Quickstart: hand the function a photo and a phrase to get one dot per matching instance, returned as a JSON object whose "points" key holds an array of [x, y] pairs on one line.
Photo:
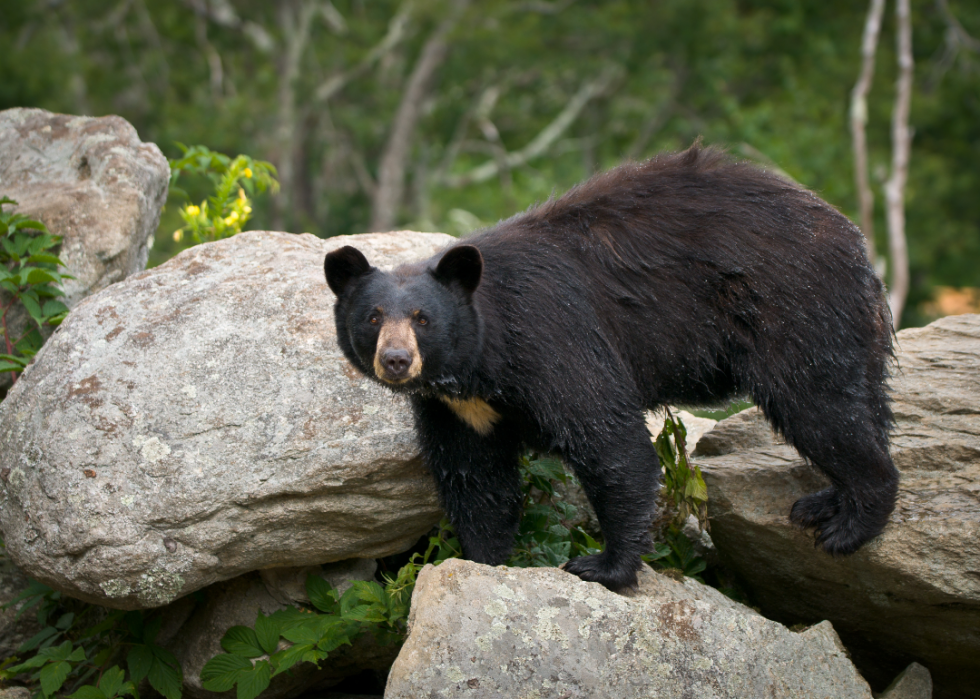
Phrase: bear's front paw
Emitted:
{"points": [[616, 574]]}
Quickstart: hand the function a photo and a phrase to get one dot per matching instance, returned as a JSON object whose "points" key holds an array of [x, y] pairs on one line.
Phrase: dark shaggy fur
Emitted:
{"points": [[687, 279]]}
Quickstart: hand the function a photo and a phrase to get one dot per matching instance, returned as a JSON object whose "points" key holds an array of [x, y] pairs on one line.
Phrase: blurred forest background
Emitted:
{"points": [[450, 114]]}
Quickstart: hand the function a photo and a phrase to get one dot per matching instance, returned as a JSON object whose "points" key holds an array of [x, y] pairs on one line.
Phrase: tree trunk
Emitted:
{"points": [[859, 120], [901, 147], [391, 172], [294, 20]]}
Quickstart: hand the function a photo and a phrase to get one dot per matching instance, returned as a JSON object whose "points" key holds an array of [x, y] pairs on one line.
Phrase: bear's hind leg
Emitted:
{"points": [[848, 441], [620, 474]]}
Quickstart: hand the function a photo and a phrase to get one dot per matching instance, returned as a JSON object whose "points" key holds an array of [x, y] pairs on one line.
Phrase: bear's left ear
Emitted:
{"points": [[344, 265], [462, 264]]}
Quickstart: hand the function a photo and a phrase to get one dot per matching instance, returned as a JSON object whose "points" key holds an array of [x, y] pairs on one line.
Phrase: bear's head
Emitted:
{"points": [[414, 328]]}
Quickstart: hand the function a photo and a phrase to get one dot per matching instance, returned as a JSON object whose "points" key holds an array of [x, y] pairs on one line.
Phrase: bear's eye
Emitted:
{"points": [[423, 320], [374, 319]]}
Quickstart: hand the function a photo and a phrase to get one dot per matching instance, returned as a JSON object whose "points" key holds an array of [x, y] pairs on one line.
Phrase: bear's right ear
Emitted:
{"points": [[343, 266]]}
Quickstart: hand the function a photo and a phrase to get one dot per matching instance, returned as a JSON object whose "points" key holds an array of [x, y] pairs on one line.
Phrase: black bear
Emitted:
{"points": [[688, 278]]}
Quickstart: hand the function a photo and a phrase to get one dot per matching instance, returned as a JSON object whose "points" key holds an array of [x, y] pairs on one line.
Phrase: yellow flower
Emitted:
{"points": [[192, 210], [178, 234], [241, 194], [248, 172], [248, 209]]}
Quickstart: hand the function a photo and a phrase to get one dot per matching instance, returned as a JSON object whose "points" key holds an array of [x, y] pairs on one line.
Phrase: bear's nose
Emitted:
{"points": [[397, 362]]}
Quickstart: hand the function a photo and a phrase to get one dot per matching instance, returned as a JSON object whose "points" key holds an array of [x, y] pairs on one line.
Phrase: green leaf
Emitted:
{"points": [[140, 660], [87, 691], [61, 652], [220, 673], [31, 224], [11, 366], [165, 677], [267, 631], [45, 258], [251, 683], [285, 659], [321, 594], [32, 307], [64, 621], [52, 308], [242, 641], [53, 676], [111, 681]]}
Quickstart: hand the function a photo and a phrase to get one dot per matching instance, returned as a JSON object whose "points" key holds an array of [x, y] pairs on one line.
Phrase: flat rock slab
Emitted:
{"points": [[912, 594], [199, 421], [477, 631]]}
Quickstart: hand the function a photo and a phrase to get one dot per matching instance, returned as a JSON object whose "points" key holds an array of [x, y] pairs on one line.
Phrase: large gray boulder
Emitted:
{"points": [[477, 631], [91, 181], [913, 594], [198, 421]]}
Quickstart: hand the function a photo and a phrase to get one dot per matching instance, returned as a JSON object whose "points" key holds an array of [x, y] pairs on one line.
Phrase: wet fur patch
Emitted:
{"points": [[475, 412], [397, 334]]}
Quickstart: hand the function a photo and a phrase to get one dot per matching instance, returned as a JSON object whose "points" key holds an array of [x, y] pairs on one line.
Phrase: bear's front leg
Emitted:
{"points": [[477, 476], [619, 472]]}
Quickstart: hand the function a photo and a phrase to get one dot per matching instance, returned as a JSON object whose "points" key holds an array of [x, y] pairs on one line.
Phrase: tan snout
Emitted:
{"points": [[397, 359]]}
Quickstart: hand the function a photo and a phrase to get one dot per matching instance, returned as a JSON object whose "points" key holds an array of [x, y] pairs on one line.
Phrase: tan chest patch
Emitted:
{"points": [[475, 412]]}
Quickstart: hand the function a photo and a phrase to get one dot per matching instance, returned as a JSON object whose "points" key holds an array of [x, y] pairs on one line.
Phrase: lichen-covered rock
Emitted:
{"points": [[198, 421], [477, 631], [914, 592], [91, 181]]}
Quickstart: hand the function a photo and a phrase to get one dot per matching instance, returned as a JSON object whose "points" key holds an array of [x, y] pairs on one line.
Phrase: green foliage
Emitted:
{"points": [[684, 492], [228, 209], [677, 553], [80, 647], [29, 275], [279, 641], [544, 538]]}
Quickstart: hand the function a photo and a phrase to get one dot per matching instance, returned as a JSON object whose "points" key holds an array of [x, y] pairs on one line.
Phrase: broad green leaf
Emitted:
{"points": [[64, 621], [87, 691], [369, 591], [31, 224], [267, 631], [242, 641], [285, 659], [53, 676], [220, 673], [139, 661], [60, 652], [32, 307], [10, 366], [251, 683], [321, 594], [53, 308], [164, 677], [45, 258], [111, 681]]}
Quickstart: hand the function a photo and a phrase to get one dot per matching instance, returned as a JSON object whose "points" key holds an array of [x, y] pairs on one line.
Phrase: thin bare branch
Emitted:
{"points": [[901, 150], [295, 19], [859, 120], [397, 29], [544, 140], [391, 171], [955, 30], [223, 14]]}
